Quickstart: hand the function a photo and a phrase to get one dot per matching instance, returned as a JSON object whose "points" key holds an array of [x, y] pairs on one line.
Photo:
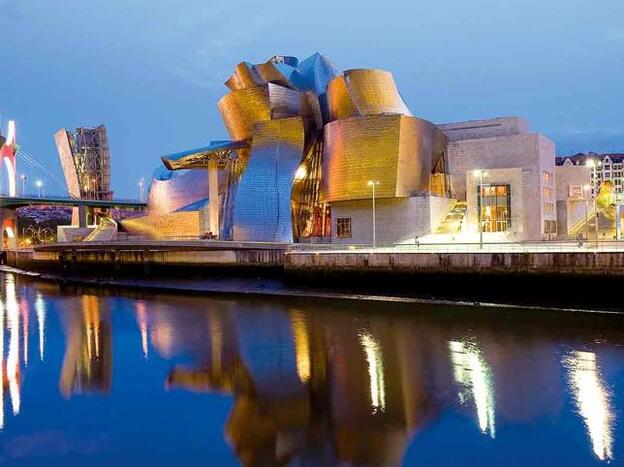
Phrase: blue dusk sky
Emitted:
{"points": [[153, 71]]}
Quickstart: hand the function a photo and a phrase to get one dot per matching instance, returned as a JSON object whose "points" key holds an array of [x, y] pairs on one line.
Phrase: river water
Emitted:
{"points": [[91, 377]]}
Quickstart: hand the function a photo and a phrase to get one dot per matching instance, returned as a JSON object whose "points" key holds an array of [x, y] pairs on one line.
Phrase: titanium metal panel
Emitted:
{"points": [[244, 76], [314, 74], [270, 73], [339, 100], [242, 107], [284, 102], [63, 146], [396, 150], [263, 208], [374, 92], [170, 191], [200, 157]]}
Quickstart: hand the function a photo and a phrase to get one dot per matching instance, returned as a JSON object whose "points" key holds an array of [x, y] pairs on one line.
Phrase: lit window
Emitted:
{"points": [[550, 227], [495, 208], [575, 191], [343, 227], [547, 178]]}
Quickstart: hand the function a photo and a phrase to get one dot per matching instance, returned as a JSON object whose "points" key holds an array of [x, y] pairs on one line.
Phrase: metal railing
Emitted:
{"points": [[546, 246]]}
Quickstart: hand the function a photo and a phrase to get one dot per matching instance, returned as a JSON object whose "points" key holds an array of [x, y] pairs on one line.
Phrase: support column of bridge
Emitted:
{"points": [[8, 218]]}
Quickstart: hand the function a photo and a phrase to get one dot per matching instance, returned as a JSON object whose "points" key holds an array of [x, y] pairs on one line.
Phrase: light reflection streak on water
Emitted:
{"points": [[141, 317], [1, 364], [474, 375], [41, 318], [374, 358], [13, 325], [25, 328], [593, 401], [302, 345]]}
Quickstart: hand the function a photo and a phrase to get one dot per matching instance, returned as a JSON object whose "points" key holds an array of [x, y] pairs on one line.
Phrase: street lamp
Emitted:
{"points": [[24, 184], [373, 184], [39, 185], [141, 185], [480, 174], [593, 165]]}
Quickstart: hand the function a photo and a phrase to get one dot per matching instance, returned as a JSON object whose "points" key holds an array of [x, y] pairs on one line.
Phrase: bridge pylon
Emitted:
{"points": [[7, 158]]}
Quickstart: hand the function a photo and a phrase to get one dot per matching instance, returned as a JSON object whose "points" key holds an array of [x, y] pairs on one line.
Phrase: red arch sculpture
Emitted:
{"points": [[7, 157]]}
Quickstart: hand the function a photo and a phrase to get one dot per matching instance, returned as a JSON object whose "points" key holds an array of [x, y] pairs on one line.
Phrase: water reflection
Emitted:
{"points": [[374, 359], [474, 376], [312, 384], [141, 318], [87, 364], [10, 369], [41, 319], [593, 401]]}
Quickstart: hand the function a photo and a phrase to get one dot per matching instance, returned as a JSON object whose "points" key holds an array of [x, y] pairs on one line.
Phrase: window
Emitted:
{"points": [[549, 208], [547, 178], [607, 175], [343, 227], [547, 192], [550, 227], [575, 191], [494, 206]]}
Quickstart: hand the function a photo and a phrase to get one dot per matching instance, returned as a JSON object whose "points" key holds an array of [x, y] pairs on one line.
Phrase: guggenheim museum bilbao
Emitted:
{"points": [[310, 148]]}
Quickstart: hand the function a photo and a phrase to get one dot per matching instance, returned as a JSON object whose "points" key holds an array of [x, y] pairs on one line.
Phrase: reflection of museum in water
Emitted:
{"points": [[324, 385], [309, 145]]}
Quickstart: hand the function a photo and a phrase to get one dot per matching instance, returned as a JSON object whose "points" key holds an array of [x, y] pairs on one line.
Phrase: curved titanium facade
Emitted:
{"points": [[303, 135], [262, 210], [396, 150], [364, 92], [169, 193]]}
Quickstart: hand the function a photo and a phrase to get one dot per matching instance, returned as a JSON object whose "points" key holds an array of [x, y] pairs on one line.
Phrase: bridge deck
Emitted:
{"points": [[21, 201]]}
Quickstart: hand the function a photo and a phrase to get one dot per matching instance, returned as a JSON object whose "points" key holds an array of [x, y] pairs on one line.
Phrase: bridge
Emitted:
{"points": [[13, 202], [85, 160]]}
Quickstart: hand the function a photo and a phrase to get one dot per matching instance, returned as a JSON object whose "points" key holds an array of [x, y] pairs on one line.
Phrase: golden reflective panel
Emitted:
{"points": [[593, 401]]}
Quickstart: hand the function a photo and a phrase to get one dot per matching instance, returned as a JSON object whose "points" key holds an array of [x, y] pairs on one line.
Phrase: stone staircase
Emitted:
{"points": [[452, 223], [106, 231]]}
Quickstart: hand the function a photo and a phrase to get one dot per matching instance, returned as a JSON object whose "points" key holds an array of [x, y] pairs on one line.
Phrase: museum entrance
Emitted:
{"points": [[494, 205]]}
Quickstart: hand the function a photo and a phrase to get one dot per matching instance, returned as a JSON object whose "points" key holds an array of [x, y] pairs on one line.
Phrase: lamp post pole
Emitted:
{"points": [[24, 185], [39, 184], [587, 189], [596, 202], [373, 183]]}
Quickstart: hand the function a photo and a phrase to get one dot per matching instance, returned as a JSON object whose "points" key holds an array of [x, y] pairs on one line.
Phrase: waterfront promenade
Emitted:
{"points": [[541, 275], [572, 258]]}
